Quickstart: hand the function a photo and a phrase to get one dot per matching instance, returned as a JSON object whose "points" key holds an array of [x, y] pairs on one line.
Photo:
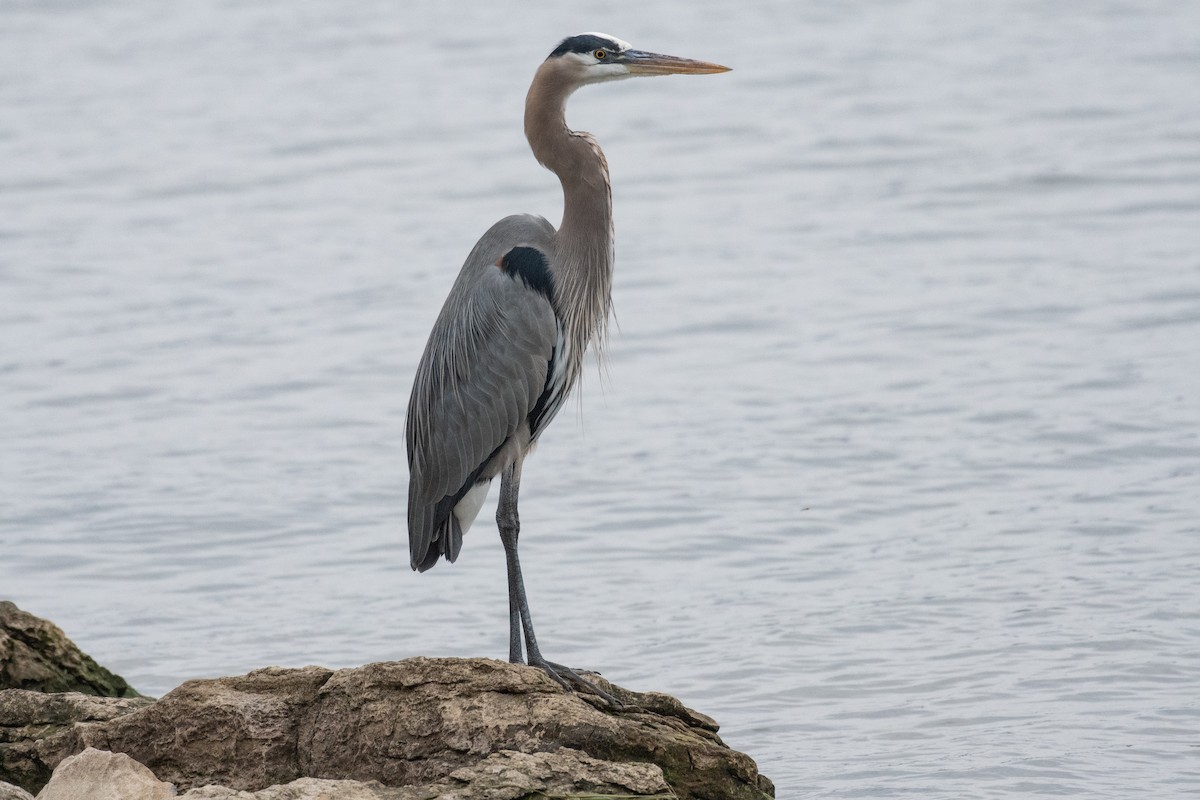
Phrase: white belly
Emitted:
{"points": [[468, 508]]}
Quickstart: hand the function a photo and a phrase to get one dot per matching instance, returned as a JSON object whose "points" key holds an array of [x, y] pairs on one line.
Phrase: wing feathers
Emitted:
{"points": [[483, 370]]}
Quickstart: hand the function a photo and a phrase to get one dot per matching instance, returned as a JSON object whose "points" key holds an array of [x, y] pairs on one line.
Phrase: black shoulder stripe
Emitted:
{"points": [[530, 266]]}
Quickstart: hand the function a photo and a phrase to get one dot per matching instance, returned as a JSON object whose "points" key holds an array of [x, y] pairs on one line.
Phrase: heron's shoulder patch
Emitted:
{"points": [[529, 265]]}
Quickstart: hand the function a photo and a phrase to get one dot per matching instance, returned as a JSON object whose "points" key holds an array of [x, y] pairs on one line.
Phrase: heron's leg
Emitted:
{"points": [[509, 523], [519, 619], [514, 630]]}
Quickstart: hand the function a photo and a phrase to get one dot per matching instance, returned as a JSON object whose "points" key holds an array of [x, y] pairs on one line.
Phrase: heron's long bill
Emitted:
{"points": [[642, 63]]}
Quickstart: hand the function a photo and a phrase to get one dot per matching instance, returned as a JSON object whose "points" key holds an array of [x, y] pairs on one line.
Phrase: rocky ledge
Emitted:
{"points": [[418, 729], [36, 654]]}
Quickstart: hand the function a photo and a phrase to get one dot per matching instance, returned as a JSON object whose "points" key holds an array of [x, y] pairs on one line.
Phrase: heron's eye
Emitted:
{"points": [[600, 55]]}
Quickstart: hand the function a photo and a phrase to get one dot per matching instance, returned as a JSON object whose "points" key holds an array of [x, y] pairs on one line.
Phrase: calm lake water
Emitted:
{"points": [[894, 465]]}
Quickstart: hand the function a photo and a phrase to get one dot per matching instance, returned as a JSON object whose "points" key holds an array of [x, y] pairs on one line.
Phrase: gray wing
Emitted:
{"points": [[482, 372]]}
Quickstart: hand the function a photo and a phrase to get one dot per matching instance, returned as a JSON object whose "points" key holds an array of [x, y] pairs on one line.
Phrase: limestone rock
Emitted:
{"points": [[241, 732], [36, 654], [100, 775], [415, 721], [10, 792], [28, 719], [309, 789], [411, 723], [510, 775], [501, 776]]}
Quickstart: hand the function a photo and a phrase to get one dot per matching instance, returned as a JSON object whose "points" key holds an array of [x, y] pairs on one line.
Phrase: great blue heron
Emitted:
{"points": [[509, 342]]}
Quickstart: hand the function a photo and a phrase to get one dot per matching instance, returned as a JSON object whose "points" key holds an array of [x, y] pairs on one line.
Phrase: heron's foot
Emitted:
{"points": [[571, 680]]}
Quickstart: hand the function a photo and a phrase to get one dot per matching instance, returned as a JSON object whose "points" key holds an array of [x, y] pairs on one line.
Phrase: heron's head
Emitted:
{"points": [[594, 57]]}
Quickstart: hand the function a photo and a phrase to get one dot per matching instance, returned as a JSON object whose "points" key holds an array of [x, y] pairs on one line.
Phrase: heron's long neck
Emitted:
{"points": [[584, 254]]}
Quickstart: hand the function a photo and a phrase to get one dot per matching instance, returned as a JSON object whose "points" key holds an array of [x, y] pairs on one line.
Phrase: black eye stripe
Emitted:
{"points": [[584, 43]]}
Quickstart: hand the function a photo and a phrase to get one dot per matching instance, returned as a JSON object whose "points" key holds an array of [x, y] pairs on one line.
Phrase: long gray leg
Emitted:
{"points": [[519, 619], [509, 524]]}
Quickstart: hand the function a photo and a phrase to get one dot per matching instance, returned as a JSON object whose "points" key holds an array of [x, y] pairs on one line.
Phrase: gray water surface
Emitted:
{"points": [[893, 464]]}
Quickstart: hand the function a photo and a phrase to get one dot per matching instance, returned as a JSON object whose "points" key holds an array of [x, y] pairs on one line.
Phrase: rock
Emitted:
{"points": [[510, 775], [10, 792], [445, 723], [501, 776], [415, 721], [310, 789], [100, 775], [36, 654], [242, 732], [28, 719]]}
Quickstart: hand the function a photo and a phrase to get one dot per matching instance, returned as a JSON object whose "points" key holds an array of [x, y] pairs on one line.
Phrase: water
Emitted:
{"points": [[893, 466]]}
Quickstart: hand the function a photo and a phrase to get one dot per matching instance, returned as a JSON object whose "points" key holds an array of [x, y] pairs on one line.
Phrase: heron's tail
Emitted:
{"points": [[447, 541]]}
